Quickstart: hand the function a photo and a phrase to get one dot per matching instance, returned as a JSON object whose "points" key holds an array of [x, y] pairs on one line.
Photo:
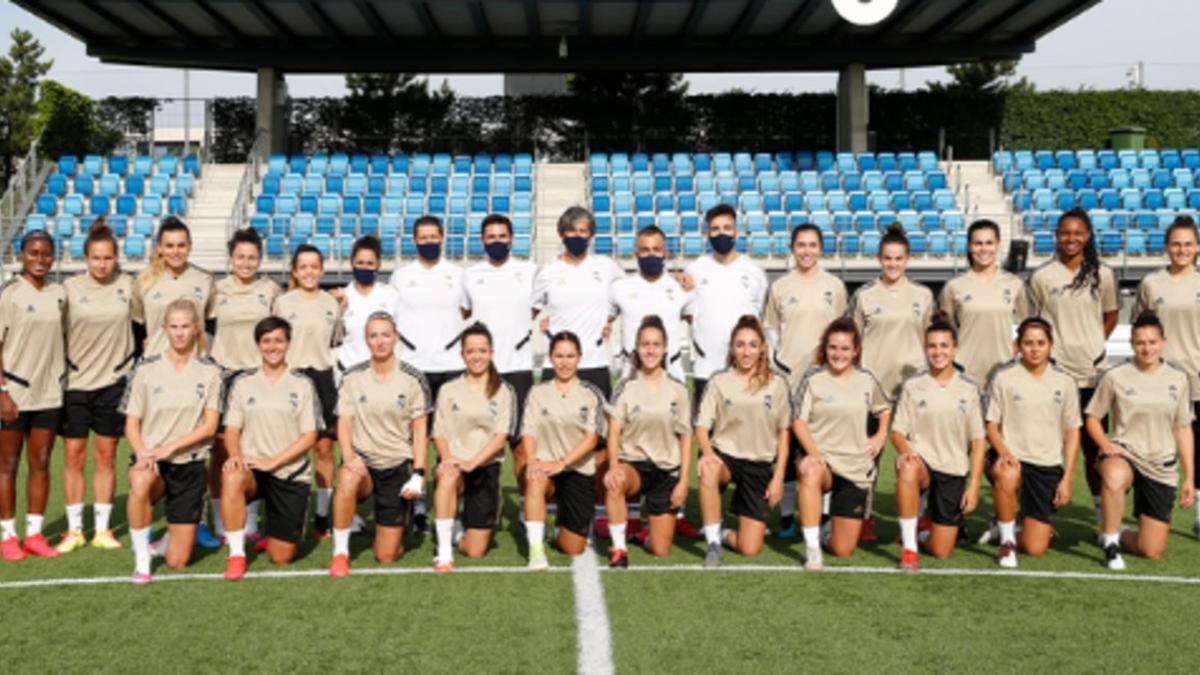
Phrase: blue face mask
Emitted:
{"points": [[721, 243], [429, 252], [651, 265], [498, 250], [577, 246], [364, 277]]}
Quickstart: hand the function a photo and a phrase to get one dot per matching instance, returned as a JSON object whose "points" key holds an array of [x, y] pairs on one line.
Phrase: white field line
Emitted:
{"points": [[594, 638], [633, 569]]}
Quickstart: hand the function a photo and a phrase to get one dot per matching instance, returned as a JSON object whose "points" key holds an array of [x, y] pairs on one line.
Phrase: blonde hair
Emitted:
{"points": [[185, 305], [760, 376], [154, 268]]}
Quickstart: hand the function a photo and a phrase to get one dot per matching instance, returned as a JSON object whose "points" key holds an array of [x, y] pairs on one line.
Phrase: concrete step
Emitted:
{"points": [[210, 212], [559, 186]]}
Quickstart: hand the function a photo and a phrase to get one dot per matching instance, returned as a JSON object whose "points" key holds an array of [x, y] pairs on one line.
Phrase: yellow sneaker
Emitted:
{"points": [[71, 540], [104, 539]]}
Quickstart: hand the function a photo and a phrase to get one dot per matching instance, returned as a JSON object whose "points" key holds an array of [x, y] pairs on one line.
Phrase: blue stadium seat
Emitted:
{"points": [[135, 247]]}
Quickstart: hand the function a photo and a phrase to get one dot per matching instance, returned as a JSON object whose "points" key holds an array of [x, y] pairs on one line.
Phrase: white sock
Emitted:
{"points": [[237, 543], [74, 517], [141, 549], [8, 528], [712, 534], [100, 515], [535, 532], [445, 539], [341, 542], [218, 523], [33, 524], [1099, 511], [324, 496], [825, 503], [1008, 532], [908, 533], [812, 537], [252, 516], [787, 506], [1111, 538], [618, 535]]}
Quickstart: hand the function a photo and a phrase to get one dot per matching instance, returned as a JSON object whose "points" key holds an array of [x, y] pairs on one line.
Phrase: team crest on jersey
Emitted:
{"points": [[596, 276], [121, 296], [520, 276], [916, 308], [262, 300], [962, 406], [746, 281], [583, 414], [294, 400], [200, 391], [401, 400], [767, 401], [1007, 295], [198, 292], [449, 281], [866, 398], [1058, 397], [1173, 392], [674, 408], [829, 298], [493, 408], [1198, 297], [671, 294]]}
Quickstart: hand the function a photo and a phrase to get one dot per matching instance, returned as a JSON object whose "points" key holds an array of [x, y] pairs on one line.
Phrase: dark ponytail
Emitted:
{"points": [[895, 235], [940, 322], [493, 378], [98, 232]]}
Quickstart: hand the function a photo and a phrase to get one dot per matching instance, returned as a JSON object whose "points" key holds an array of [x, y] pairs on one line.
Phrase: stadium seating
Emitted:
{"points": [[132, 194], [1131, 195], [851, 197], [329, 200]]}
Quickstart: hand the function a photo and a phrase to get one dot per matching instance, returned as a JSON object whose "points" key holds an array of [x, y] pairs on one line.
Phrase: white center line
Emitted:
{"points": [[594, 637]]}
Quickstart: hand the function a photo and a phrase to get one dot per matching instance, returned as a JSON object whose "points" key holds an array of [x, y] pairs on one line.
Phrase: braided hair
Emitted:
{"points": [[1089, 272]]}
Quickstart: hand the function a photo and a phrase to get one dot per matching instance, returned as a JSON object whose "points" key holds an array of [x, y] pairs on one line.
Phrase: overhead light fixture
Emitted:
{"points": [[865, 12]]}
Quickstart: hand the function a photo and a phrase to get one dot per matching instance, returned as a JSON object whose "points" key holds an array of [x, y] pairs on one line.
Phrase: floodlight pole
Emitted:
{"points": [[853, 114]]}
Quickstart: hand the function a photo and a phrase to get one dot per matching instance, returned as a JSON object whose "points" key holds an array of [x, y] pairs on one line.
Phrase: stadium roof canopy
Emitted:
{"points": [[314, 36]]}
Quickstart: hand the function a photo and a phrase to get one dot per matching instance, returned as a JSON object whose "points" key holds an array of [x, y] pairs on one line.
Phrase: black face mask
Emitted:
{"points": [[364, 277], [498, 250], [429, 252], [651, 265], [721, 243], [577, 246]]}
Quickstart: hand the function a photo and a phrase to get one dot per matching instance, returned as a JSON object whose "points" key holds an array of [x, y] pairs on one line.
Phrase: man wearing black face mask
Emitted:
{"points": [[498, 292], [725, 285], [576, 293], [429, 317], [652, 291]]}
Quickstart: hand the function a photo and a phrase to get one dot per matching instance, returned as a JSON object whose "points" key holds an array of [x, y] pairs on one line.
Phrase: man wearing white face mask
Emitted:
{"points": [[429, 318]]}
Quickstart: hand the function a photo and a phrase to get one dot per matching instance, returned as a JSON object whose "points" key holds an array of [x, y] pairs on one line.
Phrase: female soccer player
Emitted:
{"points": [[271, 423], [1033, 427], [891, 314], [240, 301], [361, 299], [799, 306], [1152, 417], [316, 320], [31, 372], [564, 420], [475, 416], [171, 407], [1171, 293], [167, 277], [649, 445], [748, 408], [938, 432], [383, 409], [985, 302], [835, 403], [100, 351], [1077, 294]]}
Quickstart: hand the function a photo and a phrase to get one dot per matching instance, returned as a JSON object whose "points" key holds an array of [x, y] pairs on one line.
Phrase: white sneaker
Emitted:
{"points": [[1007, 556], [991, 535], [1113, 559], [813, 561], [537, 558]]}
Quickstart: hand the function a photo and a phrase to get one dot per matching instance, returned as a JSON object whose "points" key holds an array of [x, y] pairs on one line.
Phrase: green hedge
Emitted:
{"points": [[567, 127]]}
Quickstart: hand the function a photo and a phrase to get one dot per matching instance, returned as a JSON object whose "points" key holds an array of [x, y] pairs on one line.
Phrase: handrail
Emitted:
{"points": [[27, 176], [250, 177]]}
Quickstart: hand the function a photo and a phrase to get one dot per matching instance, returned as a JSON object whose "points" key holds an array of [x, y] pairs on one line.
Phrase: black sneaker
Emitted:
{"points": [[964, 535], [421, 523], [320, 527], [1112, 557]]}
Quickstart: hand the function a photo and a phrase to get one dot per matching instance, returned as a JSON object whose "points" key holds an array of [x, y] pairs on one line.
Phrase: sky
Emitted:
{"points": [[1096, 50]]}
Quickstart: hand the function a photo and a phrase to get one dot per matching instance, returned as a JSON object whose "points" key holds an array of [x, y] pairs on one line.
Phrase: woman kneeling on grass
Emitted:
{"points": [[476, 413], [938, 432], [649, 445], [1033, 426], [383, 410], [171, 408], [271, 424], [1152, 415], [835, 402], [747, 407], [564, 420]]}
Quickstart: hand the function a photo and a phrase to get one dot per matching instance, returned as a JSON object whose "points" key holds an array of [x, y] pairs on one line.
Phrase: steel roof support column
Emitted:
{"points": [[853, 114], [271, 116]]}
